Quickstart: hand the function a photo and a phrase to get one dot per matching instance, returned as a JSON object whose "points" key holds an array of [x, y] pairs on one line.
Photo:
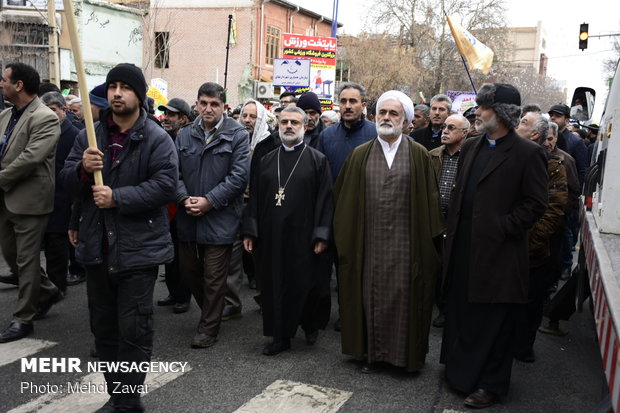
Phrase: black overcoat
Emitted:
{"points": [[511, 195]]}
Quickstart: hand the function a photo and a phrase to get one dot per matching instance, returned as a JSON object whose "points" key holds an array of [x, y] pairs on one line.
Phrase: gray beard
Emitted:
{"points": [[488, 127], [291, 140]]}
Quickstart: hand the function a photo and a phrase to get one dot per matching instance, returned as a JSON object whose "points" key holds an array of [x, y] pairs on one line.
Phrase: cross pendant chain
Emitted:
{"points": [[280, 196]]}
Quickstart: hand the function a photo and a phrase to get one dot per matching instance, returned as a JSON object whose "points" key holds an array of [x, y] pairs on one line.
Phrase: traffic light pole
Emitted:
{"points": [[604, 35]]}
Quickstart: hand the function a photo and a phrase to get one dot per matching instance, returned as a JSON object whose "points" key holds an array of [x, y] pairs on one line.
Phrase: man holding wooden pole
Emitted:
{"points": [[123, 235]]}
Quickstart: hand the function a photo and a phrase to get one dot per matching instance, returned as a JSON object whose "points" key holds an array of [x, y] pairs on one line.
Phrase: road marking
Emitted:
{"points": [[13, 351], [452, 411], [87, 401], [290, 396]]}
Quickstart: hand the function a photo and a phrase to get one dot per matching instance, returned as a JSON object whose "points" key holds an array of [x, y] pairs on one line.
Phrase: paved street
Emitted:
{"points": [[234, 375]]}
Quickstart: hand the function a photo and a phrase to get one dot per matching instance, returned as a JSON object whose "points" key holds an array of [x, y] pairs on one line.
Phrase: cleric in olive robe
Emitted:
{"points": [[390, 172]]}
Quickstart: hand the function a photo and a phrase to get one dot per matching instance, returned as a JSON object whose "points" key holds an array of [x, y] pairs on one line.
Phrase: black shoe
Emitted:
{"points": [[311, 337], [337, 325], [276, 347], [370, 368], [108, 407], [180, 308], [166, 301], [252, 284], [480, 399], [202, 340], [16, 331], [44, 307], [9, 279], [75, 279], [231, 312], [439, 321]]}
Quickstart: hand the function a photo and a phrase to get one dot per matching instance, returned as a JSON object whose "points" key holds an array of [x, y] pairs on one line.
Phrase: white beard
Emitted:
{"points": [[385, 131]]}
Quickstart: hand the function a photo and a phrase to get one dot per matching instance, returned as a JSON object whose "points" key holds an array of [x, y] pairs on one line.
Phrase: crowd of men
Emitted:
{"points": [[475, 213]]}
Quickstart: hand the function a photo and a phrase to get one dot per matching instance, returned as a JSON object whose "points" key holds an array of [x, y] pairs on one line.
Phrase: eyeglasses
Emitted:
{"points": [[450, 127]]}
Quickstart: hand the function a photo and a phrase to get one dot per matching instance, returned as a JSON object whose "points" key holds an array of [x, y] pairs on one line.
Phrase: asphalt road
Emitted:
{"points": [[567, 376]]}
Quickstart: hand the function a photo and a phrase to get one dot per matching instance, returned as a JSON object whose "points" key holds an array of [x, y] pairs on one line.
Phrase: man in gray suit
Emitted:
{"points": [[29, 134]]}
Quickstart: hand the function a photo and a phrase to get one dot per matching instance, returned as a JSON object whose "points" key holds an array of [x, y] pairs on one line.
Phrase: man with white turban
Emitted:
{"points": [[387, 229]]}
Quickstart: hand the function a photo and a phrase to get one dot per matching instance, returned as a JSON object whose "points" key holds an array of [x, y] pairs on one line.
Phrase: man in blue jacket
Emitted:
{"points": [[214, 165], [338, 142], [123, 235]]}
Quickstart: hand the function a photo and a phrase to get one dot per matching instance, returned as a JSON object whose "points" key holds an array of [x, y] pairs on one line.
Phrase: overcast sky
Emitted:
{"points": [[561, 20]]}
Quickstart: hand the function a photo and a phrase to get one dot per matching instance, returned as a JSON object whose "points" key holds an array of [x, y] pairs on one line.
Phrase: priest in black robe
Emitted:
{"points": [[287, 226], [501, 191]]}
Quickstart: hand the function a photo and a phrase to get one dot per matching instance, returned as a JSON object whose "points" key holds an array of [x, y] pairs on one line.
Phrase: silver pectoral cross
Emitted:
{"points": [[280, 196]]}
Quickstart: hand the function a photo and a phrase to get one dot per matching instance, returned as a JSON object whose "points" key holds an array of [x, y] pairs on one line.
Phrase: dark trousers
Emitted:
{"points": [[571, 232], [121, 319], [176, 286], [541, 279], [205, 268], [20, 240], [234, 280], [75, 267], [56, 247]]}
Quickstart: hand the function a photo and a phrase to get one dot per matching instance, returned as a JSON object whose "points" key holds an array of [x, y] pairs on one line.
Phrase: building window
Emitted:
{"points": [[25, 34], [162, 50], [273, 44]]}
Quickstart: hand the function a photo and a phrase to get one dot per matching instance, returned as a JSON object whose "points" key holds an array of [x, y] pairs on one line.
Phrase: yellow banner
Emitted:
{"points": [[477, 54]]}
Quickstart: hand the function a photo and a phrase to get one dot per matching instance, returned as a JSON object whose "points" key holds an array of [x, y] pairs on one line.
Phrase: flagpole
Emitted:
{"points": [[230, 17], [468, 74]]}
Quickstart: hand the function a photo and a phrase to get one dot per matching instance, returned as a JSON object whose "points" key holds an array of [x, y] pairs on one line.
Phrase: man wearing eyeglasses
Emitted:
{"points": [[445, 162], [288, 99], [446, 157]]}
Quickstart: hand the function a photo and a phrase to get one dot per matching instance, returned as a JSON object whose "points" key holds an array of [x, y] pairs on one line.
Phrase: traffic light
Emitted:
{"points": [[583, 36]]}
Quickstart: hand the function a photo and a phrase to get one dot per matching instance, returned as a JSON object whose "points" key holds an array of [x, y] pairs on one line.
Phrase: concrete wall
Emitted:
{"points": [[109, 35]]}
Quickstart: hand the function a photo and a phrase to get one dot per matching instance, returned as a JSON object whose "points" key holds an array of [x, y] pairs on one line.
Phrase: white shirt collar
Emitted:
{"points": [[389, 150]]}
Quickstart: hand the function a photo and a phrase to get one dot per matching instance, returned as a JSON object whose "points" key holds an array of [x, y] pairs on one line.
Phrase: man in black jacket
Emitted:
{"points": [[430, 137], [123, 235], [311, 104]]}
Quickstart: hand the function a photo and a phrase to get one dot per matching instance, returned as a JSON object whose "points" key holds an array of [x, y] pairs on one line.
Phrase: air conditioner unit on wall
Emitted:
{"points": [[264, 90]]}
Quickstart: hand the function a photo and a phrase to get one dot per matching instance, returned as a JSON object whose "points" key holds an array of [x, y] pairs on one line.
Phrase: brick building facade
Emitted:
{"points": [[185, 42]]}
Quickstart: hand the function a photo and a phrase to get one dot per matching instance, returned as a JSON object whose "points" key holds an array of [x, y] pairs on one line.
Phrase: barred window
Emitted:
{"points": [[162, 50], [273, 44]]}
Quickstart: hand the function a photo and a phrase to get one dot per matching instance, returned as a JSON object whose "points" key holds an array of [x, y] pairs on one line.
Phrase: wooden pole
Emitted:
{"points": [[54, 69], [79, 65]]}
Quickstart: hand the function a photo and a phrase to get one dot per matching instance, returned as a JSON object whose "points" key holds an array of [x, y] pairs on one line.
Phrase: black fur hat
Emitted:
{"points": [[504, 99]]}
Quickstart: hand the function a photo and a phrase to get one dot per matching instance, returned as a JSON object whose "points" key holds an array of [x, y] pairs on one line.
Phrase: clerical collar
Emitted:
{"points": [[291, 149], [492, 143]]}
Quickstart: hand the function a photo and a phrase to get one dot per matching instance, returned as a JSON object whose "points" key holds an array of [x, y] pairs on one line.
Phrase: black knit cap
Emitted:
{"points": [[309, 100], [129, 74]]}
